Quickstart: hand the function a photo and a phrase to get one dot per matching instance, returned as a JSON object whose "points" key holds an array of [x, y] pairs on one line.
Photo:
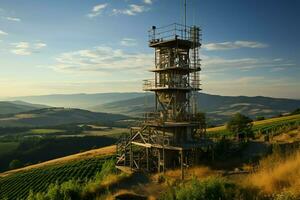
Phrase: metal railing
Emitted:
{"points": [[172, 31], [161, 117], [151, 84]]}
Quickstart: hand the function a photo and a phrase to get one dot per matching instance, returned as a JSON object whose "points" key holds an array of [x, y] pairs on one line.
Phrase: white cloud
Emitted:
{"points": [[39, 45], [277, 69], [219, 64], [15, 19], [129, 42], [148, 1], [132, 10], [102, 59], [233, 45], [3, 33], [25, 48], [97, 10]]}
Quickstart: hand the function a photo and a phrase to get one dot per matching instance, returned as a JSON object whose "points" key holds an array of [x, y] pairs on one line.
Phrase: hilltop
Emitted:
{"points": [[12, 107], [218, 108], [82, 101], [56, 116]]}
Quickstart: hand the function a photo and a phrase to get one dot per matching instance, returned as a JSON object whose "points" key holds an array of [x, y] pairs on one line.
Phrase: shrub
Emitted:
{"points": [[213, 188], [14, 164], [107, 168], [241, 126]]}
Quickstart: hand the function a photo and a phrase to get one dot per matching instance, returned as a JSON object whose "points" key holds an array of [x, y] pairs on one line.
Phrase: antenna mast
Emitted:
{"points": [[185, 18]]}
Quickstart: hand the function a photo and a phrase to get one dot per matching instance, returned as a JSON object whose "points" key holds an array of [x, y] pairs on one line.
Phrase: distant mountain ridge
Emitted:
{"points": [[218, 108], [82, 101], [57, 116], [12, 107]]}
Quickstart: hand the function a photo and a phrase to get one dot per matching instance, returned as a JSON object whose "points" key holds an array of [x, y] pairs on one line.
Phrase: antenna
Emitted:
{"points": [[185, 18]]}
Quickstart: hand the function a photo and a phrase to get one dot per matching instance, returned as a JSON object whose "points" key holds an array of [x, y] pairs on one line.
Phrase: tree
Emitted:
{"points": [[241, 126], [200, 117], [296, 112], [14, 164]]}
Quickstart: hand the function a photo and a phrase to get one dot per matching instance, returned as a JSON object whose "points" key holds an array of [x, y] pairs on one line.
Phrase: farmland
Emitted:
{"points": [[18, 183], [45, 131], [84, 166], [271, 126]]}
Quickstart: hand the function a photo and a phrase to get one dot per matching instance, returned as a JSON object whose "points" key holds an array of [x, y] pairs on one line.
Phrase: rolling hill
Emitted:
{"points": [[82, 166], [56, 116], [12, 107], [218, 108], [77, 100]]}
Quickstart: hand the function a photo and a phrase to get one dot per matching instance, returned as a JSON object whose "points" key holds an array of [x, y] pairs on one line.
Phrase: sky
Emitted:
{"points": [[249, 47]]}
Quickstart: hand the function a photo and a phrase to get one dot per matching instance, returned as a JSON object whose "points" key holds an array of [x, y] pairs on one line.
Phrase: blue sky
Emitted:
{"points": [[250, 47]]}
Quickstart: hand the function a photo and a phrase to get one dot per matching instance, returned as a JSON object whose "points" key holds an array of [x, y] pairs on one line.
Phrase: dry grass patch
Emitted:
{"points": [[276, 174]]}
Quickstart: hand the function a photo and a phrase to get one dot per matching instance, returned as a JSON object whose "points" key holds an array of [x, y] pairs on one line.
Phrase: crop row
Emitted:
{"points": [[18, 185], [273, 128]]}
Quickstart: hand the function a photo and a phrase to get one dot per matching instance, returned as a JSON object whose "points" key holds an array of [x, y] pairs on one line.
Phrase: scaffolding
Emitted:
{"points": [[169, 136]]}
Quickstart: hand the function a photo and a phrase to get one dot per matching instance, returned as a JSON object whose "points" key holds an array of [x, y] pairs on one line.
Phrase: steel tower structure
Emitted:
{"points": [[168, 137]]}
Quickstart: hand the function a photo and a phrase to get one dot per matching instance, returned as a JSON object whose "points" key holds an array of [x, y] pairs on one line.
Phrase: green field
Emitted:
{"points": [[45, 131], [269, 126], [7, 147], [18, 185], [113, 132]]}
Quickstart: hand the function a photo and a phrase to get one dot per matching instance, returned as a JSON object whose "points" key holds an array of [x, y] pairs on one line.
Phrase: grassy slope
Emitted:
{"points": [[7, 147], [16, 184], [257, 123], [7, 107], [218, 108], [57, 116], [84, 166], [109, 150]]}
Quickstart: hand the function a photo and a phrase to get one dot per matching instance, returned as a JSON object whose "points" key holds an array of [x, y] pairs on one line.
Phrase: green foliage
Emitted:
{"points": [[259, 118], [107, 168], [69, 190], [296, 112], [273, 126], [213, 188], [14, 164], [7, 147], [240, 125], [201, 117], [38, 180], [75, 189], [32, 149]]}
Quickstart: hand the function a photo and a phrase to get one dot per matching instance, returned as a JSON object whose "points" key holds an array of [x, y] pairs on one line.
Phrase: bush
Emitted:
{"points": [[107, 168], [69, 190], [241, 126], [259, 118], [14, 164], [213, 188]]}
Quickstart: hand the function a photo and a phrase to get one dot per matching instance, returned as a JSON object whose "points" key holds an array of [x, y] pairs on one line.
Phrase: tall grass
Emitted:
{"points": [[278, 173]]}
